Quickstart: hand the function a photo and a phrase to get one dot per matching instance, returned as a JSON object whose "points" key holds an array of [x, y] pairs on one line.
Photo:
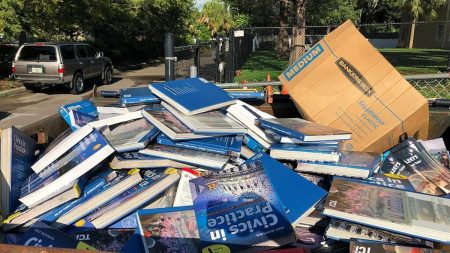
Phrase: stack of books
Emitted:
{"points": [[183, 166]]}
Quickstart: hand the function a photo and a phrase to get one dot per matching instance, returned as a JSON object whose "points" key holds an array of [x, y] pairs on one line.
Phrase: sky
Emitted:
{"points": [[199, 3]]}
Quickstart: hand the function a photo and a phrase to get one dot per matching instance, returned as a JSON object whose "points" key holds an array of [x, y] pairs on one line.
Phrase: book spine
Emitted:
{"points": [[281, 130], [192, 146], [253, 145], [129, 101]]}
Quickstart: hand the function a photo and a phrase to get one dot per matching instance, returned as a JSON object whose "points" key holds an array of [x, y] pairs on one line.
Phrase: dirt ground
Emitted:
{"points": [[8, 84]]}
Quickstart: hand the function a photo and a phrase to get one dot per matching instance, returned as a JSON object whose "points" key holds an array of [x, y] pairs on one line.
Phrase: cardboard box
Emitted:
{"points": [[344, 82]]}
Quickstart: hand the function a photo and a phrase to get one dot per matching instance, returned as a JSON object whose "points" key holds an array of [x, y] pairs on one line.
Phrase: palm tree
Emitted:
{"points": [[411, 11]]}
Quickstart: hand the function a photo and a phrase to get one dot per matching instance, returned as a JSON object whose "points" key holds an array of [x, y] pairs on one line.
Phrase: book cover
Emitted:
{"points": [[391, 181], [78, 160], [237, 209], [403, 212], [192, 95], [183, 195], [79, 119], [16, 157], [137, 96], [305, 152], [225, 145], [252, 144], [302, 129], [392, 165], [169, 230], [84, 106], [42, 235], [437, 150], [414, 155], [130, 135], [154, 182], [211, 122], [170, 125], [112, 240], [290, 188]]}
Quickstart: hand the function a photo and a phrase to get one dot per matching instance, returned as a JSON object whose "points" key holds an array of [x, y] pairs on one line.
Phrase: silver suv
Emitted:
{"points": [[49, 63]]}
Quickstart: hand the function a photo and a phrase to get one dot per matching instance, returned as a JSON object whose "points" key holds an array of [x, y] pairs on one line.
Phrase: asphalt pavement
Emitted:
{"points": [[25, 108]]}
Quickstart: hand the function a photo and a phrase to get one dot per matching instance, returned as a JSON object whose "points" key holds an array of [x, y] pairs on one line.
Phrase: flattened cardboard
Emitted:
{"points": [[345, 83]]}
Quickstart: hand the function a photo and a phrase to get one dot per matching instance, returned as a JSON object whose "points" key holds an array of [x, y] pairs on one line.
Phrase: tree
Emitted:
{"points": [[411, 11], [331, 12], [298, 30], [283, 35]]}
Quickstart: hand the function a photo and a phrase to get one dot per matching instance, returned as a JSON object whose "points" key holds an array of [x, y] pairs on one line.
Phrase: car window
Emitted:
{"points": [[38, 53], [67, 52], [90, 51], [81, 52]]}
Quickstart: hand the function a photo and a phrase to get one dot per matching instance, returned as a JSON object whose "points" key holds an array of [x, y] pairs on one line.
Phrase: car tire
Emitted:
{"points": [[32, 87], [107, 75], [77, 84]]}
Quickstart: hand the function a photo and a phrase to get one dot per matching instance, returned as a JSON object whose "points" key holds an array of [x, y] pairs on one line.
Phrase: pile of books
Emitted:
{"points": [[182, 166]]}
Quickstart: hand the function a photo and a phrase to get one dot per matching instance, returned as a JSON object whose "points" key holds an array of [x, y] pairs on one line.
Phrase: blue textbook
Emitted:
{"points": [[74, 163], [237, 209], [154, 182], [305, 152], [137, 96], [193, 95], [303, 130], [79, 119], [84, 106], [16, 156], [42, 235], [225, 145]]}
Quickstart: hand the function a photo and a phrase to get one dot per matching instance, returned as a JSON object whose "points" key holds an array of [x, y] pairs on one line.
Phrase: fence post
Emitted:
{"points": [[197, 57], [169, 57], [228, 65], [217, 60]]}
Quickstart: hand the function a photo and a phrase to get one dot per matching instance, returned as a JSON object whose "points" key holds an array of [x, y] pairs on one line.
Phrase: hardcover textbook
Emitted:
{"points": [[193, 95], [306, 152], [403, 212], [168, 230], [137, 96], [16, 157], [84, 106], [238, 209], [79, 119], [74, 163], [303, 130], [130, 160]]}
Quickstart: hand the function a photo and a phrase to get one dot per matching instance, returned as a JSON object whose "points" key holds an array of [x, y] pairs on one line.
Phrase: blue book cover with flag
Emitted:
{"points": [[238, 209], [137, 96], [192, 95], [225, 145], [84, 106]]}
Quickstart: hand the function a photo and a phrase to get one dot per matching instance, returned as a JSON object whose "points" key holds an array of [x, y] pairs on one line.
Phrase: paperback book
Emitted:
{"points": [[237, 210], [350, 164], [225, 145], [84, 106], [192, 95], [302, 129], [169, 230], [409, 213], [77, 161], [137, 96], [17, 154]]}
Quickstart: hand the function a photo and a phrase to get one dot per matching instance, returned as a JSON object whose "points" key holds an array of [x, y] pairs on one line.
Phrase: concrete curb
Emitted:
{"points": [[11, 92]]}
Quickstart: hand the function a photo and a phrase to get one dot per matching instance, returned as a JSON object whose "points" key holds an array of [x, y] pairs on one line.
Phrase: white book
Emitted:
{"points": [[116, 120], [208, 122], [61, 148], [183, 196]]}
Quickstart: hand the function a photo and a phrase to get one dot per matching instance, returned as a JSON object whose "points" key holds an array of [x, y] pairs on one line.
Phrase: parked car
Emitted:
{"points": [[63, 63], [7, 52]]}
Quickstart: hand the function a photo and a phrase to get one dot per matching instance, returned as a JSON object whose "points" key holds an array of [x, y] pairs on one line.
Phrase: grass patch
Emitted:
{"points": [[406, 61], [417, 61], [260, 63], [8, 84]]}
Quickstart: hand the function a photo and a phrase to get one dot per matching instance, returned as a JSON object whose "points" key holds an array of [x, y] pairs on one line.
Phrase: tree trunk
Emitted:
{"points": [[411, 34], [283, 36], [406, 33], [298, 31]]}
